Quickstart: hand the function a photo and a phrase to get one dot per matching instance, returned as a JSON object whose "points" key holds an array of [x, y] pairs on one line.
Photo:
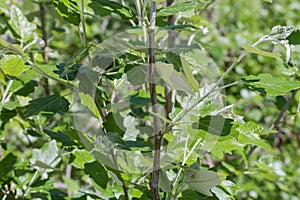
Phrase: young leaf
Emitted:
{"points": [[19, 24], [69, 10], [53, 104], [97, 172], [251, 49], [177, 8], [46, 157], [189, 75], [272, 86], [106, 7], [201, 180], [216, 125], [13, 65]]}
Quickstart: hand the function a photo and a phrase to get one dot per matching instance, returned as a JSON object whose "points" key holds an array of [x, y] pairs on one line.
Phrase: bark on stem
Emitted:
{"points": [[157, 133]]}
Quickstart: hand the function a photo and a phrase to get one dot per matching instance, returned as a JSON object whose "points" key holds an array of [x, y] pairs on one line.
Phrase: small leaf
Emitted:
{"points": [[294, 38], [14, 48], [7, 114], [251, 49], [272, 86], [27, 88], [97, 172], [177, 8], [281, 32], [106, 7], [216, 125], [69, 10], [201, 180], [7, 165], [13, 65], [51, 104], [88, 102], [60, 136], [189, 75], [81, 157]]}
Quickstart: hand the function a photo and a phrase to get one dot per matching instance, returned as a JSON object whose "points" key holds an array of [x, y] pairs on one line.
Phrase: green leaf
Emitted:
{"points": [[14, 48], [294, 38], [216, 125], [250, 134], [272, 86], [106, 7], [50, 104], [69, 10], [60, 136], [177, 8], [7, 114], [46, 157], [251, 49], [201, 180], [164, 182], [81, 157], [7, 165], [88, 102], [189, 75], [27, 88], [280, 32], [19, 24], [13, 65], [97, 172]]}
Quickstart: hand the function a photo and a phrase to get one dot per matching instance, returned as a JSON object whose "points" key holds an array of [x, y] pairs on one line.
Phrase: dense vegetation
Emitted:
{"points": [[149, 99]]}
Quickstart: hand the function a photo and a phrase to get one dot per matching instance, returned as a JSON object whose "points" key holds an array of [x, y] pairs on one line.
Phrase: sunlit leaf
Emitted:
{"points": [[13, 65], [106, 7], [69, 10], [267, 84], [177, 8], [251, 49], [189, 75]]}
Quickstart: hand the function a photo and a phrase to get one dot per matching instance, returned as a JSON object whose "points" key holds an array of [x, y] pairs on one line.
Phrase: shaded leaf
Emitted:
{"points": [[201, 180], [106, 7], [216, 125], [189, 75], [14, 48], [97, 172], [69, 10], [27, 88], [60, 136], [7, 114], [7, 165], [67, 74], [50, 104], [273, 86], [251, 49], [294, 38]]}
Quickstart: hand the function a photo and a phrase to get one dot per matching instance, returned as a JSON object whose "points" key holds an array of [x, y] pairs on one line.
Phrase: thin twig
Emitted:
{"points": [[157, 133]]}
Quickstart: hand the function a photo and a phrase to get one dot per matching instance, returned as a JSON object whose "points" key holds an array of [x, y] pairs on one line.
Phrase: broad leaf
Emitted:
{"points": [[46, 157], [50, 104], [249, 133], [251, 49], [177, 8], [7, 165], [81, 157], [7, 114], [60, 136], [267, 84], [19, 24], [88, 102], [106, 7], [201, 180], [216, 125], [69, 10], [13, 65], [97, 172]]}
